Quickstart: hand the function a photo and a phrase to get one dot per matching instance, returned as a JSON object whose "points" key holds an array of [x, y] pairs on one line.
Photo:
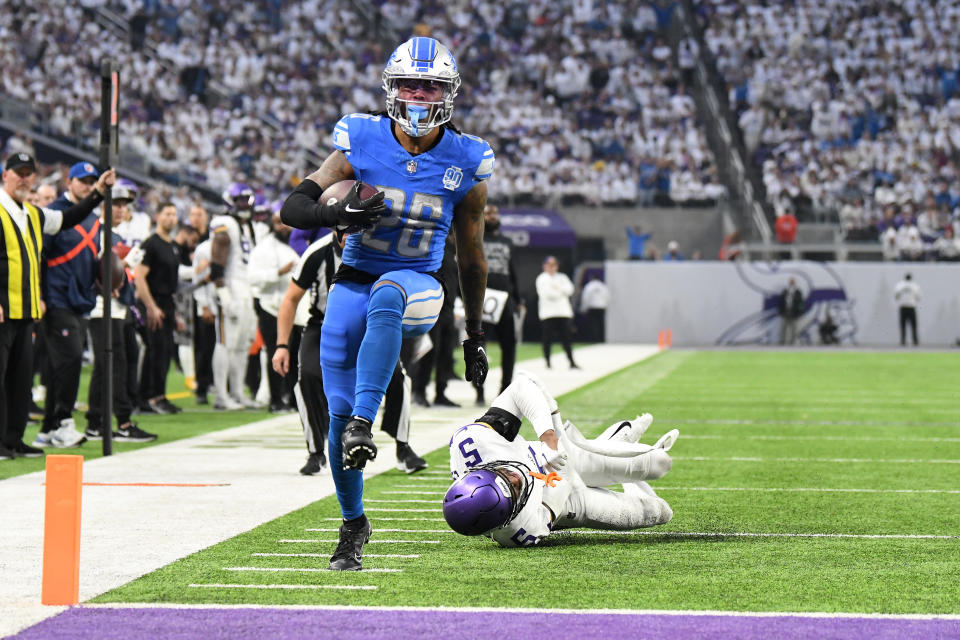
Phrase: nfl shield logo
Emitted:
{"points": [[412, 166]]}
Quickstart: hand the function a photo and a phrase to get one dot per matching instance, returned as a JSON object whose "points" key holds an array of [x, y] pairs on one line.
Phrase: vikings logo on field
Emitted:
{"points": [[823, 293]]}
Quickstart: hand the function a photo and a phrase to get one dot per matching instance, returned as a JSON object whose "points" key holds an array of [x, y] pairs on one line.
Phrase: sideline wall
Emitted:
{"points": [[717, 303]]}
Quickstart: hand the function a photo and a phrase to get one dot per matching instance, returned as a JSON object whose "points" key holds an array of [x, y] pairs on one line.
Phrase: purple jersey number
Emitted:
{"points": [[470, 456]]}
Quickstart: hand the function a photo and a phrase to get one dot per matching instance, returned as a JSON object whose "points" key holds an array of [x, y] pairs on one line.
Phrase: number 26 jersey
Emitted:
{"points": [[421, 191]]}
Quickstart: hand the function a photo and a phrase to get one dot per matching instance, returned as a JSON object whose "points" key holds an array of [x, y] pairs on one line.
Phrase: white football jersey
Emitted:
{"points": [[242, 242], [476, 444]]}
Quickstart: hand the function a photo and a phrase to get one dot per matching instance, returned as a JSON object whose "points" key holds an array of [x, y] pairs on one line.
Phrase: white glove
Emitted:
{"points": [[134, 257], [224, 297], [556, 460]]}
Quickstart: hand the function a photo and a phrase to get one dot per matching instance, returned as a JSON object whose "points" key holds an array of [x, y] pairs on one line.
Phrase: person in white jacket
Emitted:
{"points": [[554, 289], [271, 262]]}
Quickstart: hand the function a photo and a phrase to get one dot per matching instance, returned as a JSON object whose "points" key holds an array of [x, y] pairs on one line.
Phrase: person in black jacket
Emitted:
{"points": [[791, 308], [502, 286]]}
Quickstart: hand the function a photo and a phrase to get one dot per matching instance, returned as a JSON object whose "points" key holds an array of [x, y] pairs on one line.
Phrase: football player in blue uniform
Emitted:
{"points": [[430, 179]]}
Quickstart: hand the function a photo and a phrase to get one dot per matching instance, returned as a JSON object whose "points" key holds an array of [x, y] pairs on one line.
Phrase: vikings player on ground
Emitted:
{"points": [[232, 240], [518, 492], [430, 180]]}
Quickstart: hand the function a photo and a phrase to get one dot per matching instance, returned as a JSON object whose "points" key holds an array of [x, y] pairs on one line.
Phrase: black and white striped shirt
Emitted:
{"points": [[315, 272]]}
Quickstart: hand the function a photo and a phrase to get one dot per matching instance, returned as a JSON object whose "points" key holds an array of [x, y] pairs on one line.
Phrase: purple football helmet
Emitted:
{"points": [[239, 197], [127, 184], [485, 498], [261, 208]]}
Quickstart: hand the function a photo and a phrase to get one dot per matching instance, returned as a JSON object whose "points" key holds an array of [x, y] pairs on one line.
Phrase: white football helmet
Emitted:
{"points": [[424, 59]]}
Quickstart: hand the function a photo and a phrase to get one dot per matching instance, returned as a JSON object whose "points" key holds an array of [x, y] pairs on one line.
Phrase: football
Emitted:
{"points": [[117, 271], [336, 191]]}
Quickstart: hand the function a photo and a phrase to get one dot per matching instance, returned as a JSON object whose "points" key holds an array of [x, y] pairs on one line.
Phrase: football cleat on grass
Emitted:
{"points": [[358, 446], [408, 460], [348, 555]]}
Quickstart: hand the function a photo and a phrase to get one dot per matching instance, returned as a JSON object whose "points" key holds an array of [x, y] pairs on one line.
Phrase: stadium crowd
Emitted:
{"points": [[851, 110], [584, 103]]}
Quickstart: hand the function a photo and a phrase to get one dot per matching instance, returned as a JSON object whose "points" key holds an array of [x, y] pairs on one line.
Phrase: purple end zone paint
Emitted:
{"points": [[378, 624]]}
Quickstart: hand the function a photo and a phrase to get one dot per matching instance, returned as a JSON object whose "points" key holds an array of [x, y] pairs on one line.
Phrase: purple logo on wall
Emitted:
{"points": [[823, 294], [536, 228]]}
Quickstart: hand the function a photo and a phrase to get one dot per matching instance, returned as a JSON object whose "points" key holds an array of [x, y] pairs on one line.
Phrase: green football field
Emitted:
{"points": [[819, 481]]}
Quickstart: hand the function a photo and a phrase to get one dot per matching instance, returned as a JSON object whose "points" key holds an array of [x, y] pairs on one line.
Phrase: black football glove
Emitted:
{"points": [[475, 357], [353, 213]]}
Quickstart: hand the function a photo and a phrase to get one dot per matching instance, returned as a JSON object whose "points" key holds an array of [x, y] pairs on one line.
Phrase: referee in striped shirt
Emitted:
{"points": [[22, 226]]}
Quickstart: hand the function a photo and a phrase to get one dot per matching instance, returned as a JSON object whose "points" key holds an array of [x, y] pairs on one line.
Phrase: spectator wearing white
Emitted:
{"points": [[947, 246], [909, 243], [268, 272], [907, 295], [594, 300], [554, 289]]}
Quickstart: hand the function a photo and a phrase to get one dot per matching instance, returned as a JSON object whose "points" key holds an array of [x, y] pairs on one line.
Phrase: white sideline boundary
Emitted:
{"points": [[625, 612], [131, 531]]}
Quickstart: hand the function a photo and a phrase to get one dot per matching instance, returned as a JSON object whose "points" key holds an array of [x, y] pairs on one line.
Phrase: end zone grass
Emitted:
{"points": [[845, 464]]}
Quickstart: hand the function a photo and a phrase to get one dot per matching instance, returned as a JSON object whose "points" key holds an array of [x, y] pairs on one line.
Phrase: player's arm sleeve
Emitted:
{"points": [[301, 209], [54, 221]]}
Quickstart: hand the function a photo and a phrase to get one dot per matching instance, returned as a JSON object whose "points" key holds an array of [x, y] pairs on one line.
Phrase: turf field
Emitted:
{"points": [[823, 481]]}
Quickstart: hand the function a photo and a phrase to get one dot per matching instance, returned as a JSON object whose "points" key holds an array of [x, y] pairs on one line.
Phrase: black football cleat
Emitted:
{"points": [[407, 459], [348, 555], [357, 442]]}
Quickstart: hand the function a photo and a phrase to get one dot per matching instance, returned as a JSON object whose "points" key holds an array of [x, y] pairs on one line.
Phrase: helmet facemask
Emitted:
{"points": [[487, 497], [429, 62]]}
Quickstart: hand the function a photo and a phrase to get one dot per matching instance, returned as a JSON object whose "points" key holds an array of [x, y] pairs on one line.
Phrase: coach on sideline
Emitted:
{"points": [[23, 226]]}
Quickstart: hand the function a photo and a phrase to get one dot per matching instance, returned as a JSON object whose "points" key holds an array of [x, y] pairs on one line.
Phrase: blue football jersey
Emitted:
{"points": [[420, 191]]}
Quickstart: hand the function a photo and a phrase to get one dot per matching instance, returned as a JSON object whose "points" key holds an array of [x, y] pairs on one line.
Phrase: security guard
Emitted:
{"points": [[22, 226]]}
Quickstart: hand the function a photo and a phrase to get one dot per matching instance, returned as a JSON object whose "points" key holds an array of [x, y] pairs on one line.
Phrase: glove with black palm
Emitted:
{"points": [[475, 357], [354, 212]]}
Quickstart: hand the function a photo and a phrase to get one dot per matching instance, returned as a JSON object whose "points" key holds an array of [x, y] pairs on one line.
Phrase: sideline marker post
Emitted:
{"points": [[661, 339], [61, 531], [669, 337]]}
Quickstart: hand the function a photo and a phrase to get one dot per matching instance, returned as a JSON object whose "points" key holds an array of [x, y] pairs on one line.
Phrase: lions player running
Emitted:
{"points": [[517, 492], [232, 240], [431, 179]]}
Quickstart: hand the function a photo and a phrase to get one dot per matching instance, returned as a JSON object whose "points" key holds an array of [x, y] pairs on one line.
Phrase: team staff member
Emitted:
{"points": [[271, 261], [553, 306], [501, 279], [70, 292], [23, 227], [156, 279]]}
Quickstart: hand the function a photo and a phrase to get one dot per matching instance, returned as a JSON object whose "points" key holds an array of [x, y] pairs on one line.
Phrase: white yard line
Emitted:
{"points": [[806, 489], [496, 610], [343, 587], [379, 530], [371, 541], [413, 556], [748, 534], [737, 438], [305, 570], [383, 519], [828, 460], [165, 524]]}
